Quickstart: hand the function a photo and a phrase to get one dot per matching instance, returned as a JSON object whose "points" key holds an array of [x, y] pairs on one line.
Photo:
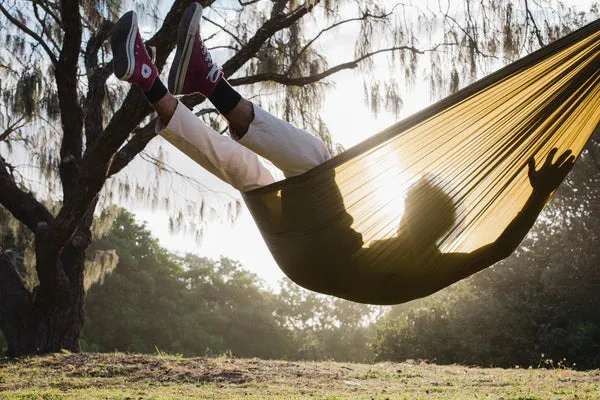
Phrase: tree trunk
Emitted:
{"points": [[50, 318]]}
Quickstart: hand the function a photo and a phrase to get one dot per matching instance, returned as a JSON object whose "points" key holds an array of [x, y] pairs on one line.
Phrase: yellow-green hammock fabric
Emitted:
{"points": [[384, 221]]}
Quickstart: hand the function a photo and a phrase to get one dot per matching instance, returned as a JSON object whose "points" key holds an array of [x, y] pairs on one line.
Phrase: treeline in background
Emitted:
{"points": [[540, 307]]}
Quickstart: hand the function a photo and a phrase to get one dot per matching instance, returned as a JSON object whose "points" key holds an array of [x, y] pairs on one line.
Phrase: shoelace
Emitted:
{"points": [[151, 50], [214, 73], [152, 53]]}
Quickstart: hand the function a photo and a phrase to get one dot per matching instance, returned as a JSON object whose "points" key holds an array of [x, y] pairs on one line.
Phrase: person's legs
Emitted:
{"points": [[220, 155], [292, 150]]}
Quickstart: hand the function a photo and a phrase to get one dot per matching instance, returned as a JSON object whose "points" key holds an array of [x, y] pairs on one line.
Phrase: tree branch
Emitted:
{"points": [[307, 80], [135, 107], [164, 39], [71, 113], [278, 7], [44, 26], [94, 168], [31, 34], [136, 144], [221, 27], [538, 34], [42, 4], [273, 25], [23, 206], [96, 81], [18, 124], [332, 26]]}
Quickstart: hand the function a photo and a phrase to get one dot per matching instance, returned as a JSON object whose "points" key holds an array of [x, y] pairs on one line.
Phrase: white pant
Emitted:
{"points": [[290, 149]]}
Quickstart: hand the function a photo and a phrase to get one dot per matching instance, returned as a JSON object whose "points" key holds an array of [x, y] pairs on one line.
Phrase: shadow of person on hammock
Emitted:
{"points": [[412, 255], [410, 264]]}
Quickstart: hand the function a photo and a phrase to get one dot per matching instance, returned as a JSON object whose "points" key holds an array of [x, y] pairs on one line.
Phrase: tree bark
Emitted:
{"points": [[15, 308], [47, 320]]}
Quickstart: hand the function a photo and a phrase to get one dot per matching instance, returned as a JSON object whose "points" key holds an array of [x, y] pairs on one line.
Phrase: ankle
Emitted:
{"points": [[240, 118], [165, 108], [156, 91], [224, 97]]}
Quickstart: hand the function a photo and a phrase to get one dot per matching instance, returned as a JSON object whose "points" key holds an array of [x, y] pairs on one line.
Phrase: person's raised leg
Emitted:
{"points": [[133, 63], [193, 71], [220, 155]]}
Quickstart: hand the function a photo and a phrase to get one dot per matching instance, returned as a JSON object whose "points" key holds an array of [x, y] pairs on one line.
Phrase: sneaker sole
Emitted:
{"points": [[123, 44], [185, 40]]}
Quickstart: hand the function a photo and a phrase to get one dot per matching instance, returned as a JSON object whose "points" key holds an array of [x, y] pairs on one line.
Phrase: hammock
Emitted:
{"points": [[390, 219]]}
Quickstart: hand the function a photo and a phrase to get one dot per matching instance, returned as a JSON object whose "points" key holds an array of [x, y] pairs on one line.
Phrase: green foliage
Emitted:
{"points": [[127, 313], [191, 305], [158, 302], [324, 327], [228, 303]]}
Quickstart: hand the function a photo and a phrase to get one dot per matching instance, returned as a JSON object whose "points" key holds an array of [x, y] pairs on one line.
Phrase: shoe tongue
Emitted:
{"points": [[152, 53]]}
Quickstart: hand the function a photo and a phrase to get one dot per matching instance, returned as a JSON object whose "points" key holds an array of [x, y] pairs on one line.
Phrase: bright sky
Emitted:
{"points": [[350, 122]]}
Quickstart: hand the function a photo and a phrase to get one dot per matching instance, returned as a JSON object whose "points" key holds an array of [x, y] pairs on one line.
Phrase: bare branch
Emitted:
{"points": [[537, 31], [195, 183], [136, 144], [23, 206], [31, 34], [224, 29], [332, 26], [223, 47], [45, 29], [47, 9], [307, 80], [12, 127]]}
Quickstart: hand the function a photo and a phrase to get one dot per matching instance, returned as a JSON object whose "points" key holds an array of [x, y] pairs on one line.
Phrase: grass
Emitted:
{"points": [[129, 376]]}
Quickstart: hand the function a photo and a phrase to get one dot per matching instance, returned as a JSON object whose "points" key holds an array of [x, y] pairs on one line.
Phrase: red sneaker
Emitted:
{"points": [[131, 61], [193, 70]]}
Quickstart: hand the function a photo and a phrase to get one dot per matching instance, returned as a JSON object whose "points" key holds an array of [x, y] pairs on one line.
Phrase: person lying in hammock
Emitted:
{"points": [[256, 132], [424, 223]]}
